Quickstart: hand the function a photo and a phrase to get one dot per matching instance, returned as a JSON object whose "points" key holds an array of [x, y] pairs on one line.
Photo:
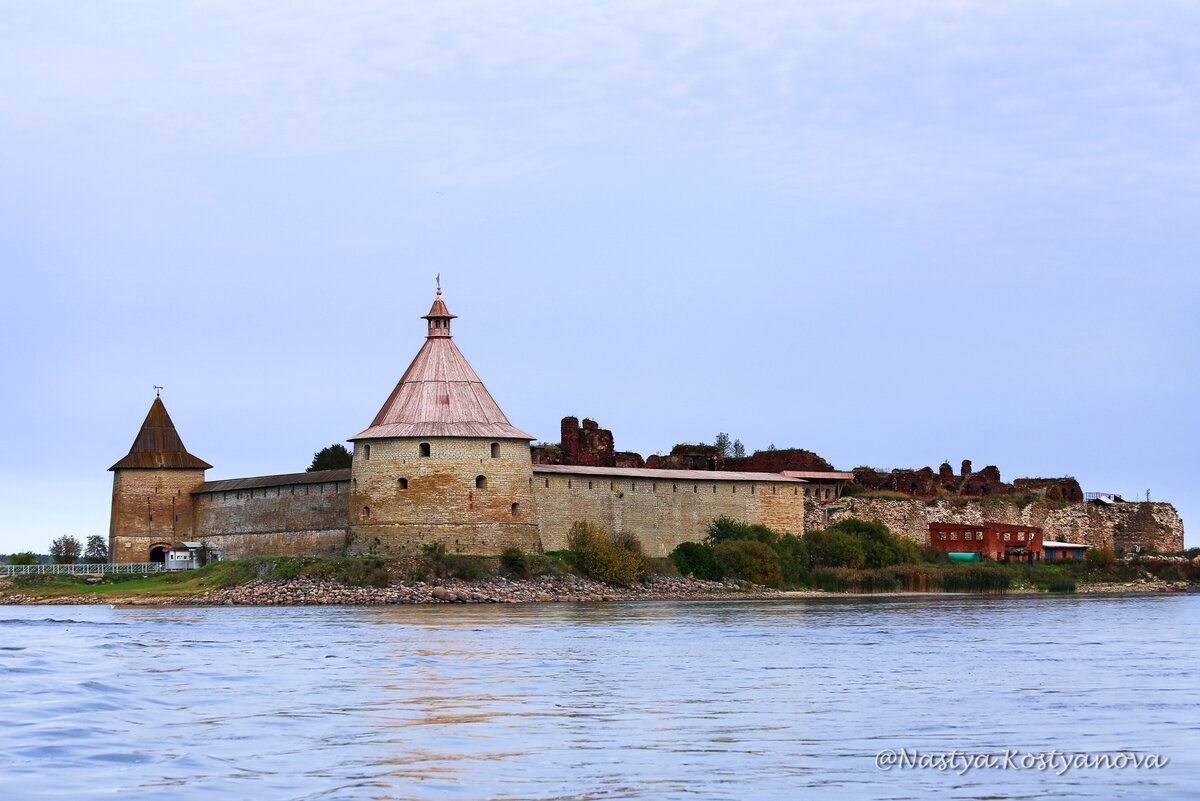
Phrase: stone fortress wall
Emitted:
{"points": [[662, 511]]}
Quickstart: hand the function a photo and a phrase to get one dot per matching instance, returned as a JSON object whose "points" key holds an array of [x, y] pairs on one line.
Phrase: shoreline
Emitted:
{"points": [[314, 592]]}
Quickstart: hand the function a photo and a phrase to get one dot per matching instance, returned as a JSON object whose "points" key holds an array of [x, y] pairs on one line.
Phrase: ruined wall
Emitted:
{"points": [[1125, 525], [401, 500], [285, 520], [150, 507], [661, 513]]}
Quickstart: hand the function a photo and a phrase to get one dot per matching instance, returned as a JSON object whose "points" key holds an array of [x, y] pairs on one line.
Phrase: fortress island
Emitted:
{"points": [[441, 463]]}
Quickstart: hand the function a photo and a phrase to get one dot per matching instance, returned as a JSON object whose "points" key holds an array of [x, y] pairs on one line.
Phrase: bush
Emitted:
{"points": [[23, 558], [599, 555], [465, 568], [513, 562], [793, 559], [1101, 558], [434, 552], [878, 581], [833, 548], [697, 559], [975, 579], [750, 560], [723, 529], [831, 580], [1061, 585]]}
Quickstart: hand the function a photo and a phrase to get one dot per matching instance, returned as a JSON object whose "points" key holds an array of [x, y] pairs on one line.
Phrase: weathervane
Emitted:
{"points": [[439, 282], [157, 391]]}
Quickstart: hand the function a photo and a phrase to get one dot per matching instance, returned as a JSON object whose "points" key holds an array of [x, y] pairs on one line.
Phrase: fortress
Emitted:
{"points": [[440, 463]]}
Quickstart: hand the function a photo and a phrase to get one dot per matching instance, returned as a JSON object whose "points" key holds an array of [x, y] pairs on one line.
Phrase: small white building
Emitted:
{"points": [[188, 555]]}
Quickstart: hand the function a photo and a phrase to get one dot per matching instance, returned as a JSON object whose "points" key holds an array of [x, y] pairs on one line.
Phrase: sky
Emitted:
{"points": [[891, 233]]}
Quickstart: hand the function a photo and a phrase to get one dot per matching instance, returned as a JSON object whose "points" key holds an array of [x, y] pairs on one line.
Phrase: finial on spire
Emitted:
{"points": [[158, 391], [439, 283]]}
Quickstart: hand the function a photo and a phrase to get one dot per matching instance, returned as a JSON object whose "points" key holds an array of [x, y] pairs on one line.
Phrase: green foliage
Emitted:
{"points": [[466, 568], [335, 457], [833, 548], [739, 450], [513, 562], [750, 560], [697, 559], [726, 528], [829, 580], [793, 559], [1101, 558], [23, 558], [1061, 585], [65, 550], [350, 572], [723, 445], [434, 552], [975, 579], [614, 560], [97, 550]]}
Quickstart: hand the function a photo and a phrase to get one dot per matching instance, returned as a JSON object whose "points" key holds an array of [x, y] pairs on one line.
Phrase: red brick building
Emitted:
{"points": [[998, 541]]}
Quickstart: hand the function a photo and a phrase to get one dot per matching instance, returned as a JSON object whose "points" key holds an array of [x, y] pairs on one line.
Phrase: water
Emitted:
{"points": [[721, 700]]}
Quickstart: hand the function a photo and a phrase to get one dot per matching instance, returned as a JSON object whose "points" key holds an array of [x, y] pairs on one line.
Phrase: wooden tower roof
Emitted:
{"points": [[439, 394], [158, 445]]}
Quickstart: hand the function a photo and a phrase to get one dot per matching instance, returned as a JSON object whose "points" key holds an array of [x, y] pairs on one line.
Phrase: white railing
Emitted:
{"points": [[25, 570]]}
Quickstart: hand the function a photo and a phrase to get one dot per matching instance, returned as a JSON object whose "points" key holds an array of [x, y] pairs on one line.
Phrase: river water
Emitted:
{"points": [[657, 700]]}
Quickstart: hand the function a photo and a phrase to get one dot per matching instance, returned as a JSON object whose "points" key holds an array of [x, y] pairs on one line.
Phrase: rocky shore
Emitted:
{"points": [[303, 591], [543, 589]]}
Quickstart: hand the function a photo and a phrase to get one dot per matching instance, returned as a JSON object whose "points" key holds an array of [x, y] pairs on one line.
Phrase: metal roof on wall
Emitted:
{"points": [[283, 480], [664, 475]]}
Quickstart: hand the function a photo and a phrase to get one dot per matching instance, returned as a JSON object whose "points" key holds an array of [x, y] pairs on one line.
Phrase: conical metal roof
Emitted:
{"points": [[158, 445], [440, 396]]}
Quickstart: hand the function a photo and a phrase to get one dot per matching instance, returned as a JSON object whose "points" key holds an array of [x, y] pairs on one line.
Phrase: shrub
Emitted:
{"points": [[23, 558], [463, 567], [434, 552], [1061, 585], [513, 562], [750, 560], [975, 579], [833, 548], [830, 580], [1101, 558], [723, 528], [697, 559], [878, 581], [613, 560], [793, 559]]}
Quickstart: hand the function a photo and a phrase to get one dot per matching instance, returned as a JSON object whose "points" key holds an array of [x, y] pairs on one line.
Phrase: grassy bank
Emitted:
{"points": [[926, 576]]}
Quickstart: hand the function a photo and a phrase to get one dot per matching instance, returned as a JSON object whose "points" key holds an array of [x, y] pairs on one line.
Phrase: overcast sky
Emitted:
{"points": [[890, 233]]}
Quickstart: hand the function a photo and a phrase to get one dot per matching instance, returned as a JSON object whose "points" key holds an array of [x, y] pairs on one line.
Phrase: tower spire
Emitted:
{"points": [[439, 316]]}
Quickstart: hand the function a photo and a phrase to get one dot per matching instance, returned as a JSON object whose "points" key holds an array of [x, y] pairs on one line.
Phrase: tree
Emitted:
{"points": [[723, 444], [23, 558], [97, 550], [739, 450], [335, 457], [65, 550]]}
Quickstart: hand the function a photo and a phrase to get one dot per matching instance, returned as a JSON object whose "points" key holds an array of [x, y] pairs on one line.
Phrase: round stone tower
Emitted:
{"points": [[152, 505], [441, 463]]}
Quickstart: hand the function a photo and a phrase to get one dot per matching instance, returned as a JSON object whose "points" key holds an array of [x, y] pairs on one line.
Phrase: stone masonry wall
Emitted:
{"points": [[401, 500], [1126, 525], [661, 513], [150, 507], [286, 520]]}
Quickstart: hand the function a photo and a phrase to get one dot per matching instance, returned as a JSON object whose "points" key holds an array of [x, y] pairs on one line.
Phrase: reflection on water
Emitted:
{"points": [[779, 699]]}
